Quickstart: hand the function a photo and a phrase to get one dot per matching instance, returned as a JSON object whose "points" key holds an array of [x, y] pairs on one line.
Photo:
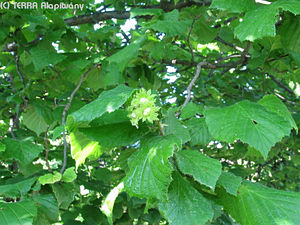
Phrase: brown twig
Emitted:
{"points": [[190, 86], [47, 150], [13, 47], [105, 7], [245, 52], [244, 58], [125, 36], [208, 65], [225, 70], [281, 84], [17, 60], [54, 70], [189, 35], [12, 83], [12, 119], [10, 47], [229, 44], [229, 57], [24, 104], [96, 17], [285, 100], [211, 72], [65, 113]]}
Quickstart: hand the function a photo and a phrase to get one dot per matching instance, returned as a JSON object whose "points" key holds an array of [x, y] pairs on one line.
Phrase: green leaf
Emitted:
{"points": [[251, 28], [150, 171], [203, 169], [43, 56], [2, 147], [34, 121], [190, 110], [3, 33], [171, 25], [292, 5], [290, 33], [233, 6], [15, 189], [108, 204], [57, 132], [272, 103], [83, 147], [50, 178], [76, 65], [92, 215], [250, 122], [108, 75], [198, 131], [44, 111], [230, 182], [173, 126], [18, 213], [185, 204], [122, 160], [108, 101], [296, 160], [257, 204], [22, 150], [131, 51], [202, 32], [47, 209], [103, 174], [214, 92], [64, 193], [29, 35], [118, 116], [123, 134], [69, 175]]}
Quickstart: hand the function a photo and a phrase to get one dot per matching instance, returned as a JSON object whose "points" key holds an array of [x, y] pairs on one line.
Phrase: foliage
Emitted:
{"points": [[150, 112]]}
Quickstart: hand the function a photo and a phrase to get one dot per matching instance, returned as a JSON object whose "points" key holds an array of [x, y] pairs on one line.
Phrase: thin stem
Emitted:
{"points": [[65, 113], [278, 82], [188, 37], [161, 128], [125, 36], [12, 119], [47, 149], [17, 60], [229, 44], [189, 88]]}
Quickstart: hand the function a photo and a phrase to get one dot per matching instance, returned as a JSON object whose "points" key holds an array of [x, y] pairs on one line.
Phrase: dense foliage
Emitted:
{"points": [[182, 112]]}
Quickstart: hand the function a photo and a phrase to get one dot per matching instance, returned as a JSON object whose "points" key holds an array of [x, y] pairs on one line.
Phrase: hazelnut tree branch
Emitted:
{"points": [[64, 114], [17, 61], [188, 37], [96, 17], [47, 149], [191, 84]]}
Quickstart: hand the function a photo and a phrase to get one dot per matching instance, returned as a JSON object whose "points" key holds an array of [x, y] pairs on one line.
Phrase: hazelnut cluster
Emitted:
{"points": [[143, 107]]}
